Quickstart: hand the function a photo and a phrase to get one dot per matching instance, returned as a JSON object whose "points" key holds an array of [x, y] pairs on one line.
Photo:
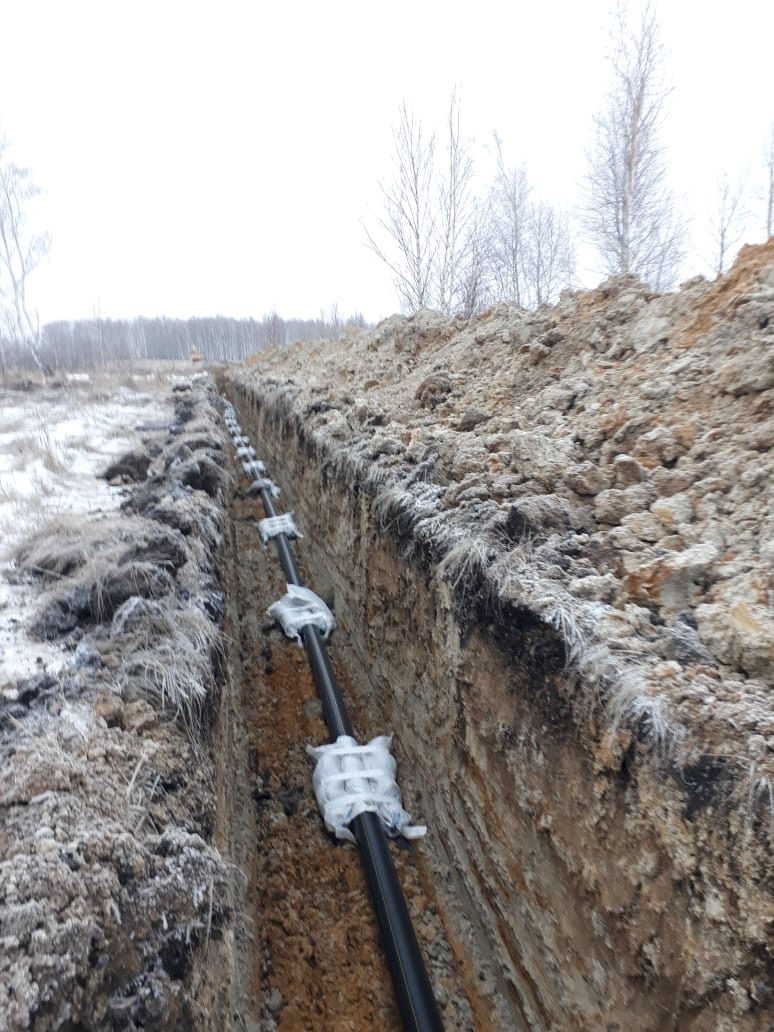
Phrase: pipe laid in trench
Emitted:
{"points": [[414, 995]]}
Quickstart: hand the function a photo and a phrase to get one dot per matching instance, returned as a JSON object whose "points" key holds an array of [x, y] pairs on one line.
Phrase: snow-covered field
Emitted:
{"points": [[54, 446]]}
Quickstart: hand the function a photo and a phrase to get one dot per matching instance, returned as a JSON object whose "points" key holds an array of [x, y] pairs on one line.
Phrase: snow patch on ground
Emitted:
{"points": [[54, 444]]}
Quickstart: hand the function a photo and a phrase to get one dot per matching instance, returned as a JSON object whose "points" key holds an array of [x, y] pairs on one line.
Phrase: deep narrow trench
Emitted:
{"points": [[537, 837], [307, 951]]}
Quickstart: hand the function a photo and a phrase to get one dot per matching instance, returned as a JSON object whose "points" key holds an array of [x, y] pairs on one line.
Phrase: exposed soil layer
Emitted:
{"points": [[547, 538], [164, 864], [316, 958]]}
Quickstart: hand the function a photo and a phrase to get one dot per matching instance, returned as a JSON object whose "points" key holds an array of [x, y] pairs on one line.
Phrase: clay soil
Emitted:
{"points": [[312, 958]]}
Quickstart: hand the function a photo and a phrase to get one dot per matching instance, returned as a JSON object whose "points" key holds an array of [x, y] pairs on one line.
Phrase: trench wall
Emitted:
{"points": [[586, 883]]}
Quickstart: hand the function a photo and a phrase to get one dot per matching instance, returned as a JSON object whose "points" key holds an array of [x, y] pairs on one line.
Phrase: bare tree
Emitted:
{"points": [[629, 212], [21, 250], [476, 289], [407, 223], [433, 229], [274, 330], [509, 240], [550, 255], [455, 230], [530, 246], [450, 249], [768, 164], [331, 322], [728, 221]]}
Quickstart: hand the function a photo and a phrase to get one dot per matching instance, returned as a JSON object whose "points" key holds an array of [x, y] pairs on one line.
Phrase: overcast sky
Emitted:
{"points": [[219, 157]]}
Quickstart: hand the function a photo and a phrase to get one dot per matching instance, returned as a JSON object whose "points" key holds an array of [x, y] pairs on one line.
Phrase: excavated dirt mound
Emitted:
{"points": [[549, 539]]}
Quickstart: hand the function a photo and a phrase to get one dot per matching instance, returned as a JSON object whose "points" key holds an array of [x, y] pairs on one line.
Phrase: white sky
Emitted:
{"points": [[218, 157]]}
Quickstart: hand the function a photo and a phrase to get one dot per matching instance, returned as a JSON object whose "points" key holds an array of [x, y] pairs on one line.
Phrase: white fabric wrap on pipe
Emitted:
{"points": [[246, 451], [299, 608], [255, 468], [263, 484], [273, 525], [351, 779]]}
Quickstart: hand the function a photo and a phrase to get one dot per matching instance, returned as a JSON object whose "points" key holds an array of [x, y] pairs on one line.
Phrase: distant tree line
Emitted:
{"points": [[97, 343]]}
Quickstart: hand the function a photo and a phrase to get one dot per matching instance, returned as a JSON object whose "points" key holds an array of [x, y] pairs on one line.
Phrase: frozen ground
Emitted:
{"points": [[548, 538], [54, 446], [110, 889]]}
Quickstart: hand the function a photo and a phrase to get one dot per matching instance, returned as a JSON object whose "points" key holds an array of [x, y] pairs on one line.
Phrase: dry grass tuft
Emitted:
{"points": [[465, 564], [170, 661], [67, 543], [38, 445], [563, 618], [629, 704], [389, 505], [619, 691], [505, 577]]}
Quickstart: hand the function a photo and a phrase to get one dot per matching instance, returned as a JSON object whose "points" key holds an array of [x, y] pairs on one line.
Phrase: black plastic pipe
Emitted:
{"points": [[333, 706], [414, 995]]}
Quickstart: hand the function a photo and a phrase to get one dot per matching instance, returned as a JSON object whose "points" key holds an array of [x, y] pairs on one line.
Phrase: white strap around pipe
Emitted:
{"points": [[351, 779]]}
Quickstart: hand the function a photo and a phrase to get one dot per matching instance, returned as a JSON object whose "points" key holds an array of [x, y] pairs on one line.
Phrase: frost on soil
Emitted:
{"points": [[605, 464], [109, 627], [556, 528]]}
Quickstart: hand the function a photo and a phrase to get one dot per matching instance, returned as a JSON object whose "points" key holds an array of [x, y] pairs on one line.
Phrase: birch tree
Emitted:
{"points": [[550, 255], [451, 249], [729, 220], [476, 289], [430, 234], [629, 212], [509, 241], [456, 235], [531, 250], [406, 225], [768, 164], [21, 251]]}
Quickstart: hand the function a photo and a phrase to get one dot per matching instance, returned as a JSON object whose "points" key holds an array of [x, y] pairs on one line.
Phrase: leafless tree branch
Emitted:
{"points": [[456, 215], [551, 254], [21, 251], [407, 222], [728, 221], [510, 202], [629, 213], [768, 164]]}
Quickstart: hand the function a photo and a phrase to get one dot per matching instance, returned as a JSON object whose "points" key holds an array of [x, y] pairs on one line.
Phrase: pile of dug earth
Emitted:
{"points": [[608, 461], [601, 468]]}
